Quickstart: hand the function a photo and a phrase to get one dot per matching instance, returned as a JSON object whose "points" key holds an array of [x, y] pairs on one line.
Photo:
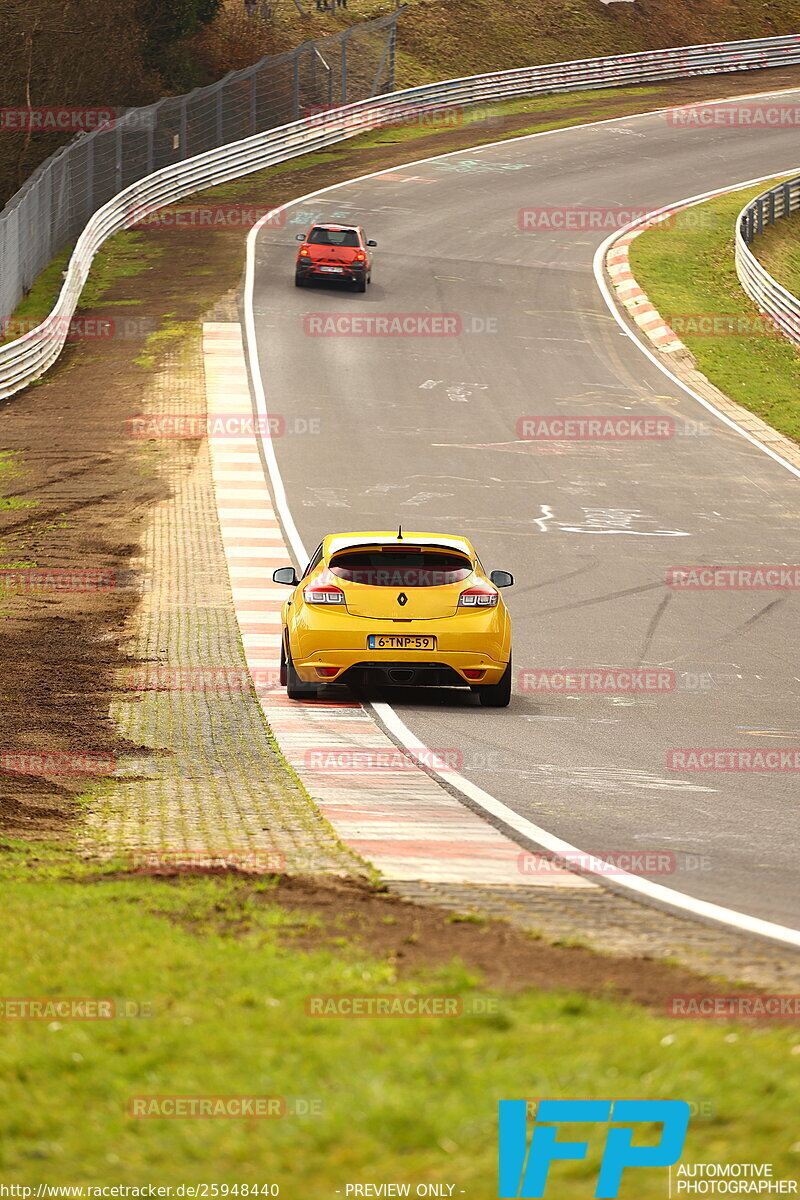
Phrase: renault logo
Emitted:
{"points": [[402, 598]]}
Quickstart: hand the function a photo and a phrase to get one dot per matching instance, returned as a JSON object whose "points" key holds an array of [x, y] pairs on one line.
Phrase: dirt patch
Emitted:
{"points": [[414, 937], [89, 485]]}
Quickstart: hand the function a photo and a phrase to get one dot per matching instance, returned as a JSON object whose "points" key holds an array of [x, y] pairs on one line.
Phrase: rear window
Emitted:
{"points": [[333, 237], [400, 568]]}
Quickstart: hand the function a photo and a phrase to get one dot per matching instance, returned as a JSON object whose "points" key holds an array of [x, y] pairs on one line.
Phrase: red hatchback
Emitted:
{"points": [[334, 252]]}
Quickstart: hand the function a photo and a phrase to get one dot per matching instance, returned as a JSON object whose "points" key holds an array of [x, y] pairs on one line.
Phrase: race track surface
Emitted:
{"points": [[423, 431]]}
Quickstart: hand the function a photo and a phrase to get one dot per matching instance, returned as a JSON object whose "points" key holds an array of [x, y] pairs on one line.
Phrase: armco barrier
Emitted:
{"points": [[24, 360], [775, 301]]}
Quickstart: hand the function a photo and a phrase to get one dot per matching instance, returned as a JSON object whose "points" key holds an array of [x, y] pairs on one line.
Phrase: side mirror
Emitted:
{"points": [[286, 575], [300, 237], [372, 243], [502, 578]]}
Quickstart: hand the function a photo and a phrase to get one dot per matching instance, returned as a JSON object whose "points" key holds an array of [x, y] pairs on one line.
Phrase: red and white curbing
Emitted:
{"points": [[385, 807], [633, 299]]}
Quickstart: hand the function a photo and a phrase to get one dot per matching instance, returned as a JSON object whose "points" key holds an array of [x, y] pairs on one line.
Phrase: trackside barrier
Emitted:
{"points": [[27, 358], [775, 301]]}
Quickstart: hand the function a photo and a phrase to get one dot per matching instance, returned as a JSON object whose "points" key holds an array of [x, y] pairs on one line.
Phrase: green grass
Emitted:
{"points": [[123, 256], [402, 1100], [778, 248], [688, 268]]}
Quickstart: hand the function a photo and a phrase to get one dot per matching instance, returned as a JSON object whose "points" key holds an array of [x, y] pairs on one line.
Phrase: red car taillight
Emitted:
{"points": [[303, 252], [323, 593], [478, 597], [359, 256]]}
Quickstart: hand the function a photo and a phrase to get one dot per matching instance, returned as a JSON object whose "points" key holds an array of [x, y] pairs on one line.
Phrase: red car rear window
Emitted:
{"points": [[333, 237]]}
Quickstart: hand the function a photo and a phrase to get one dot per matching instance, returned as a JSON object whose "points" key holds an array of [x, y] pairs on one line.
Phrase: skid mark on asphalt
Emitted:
{"points": [[374, 808]]}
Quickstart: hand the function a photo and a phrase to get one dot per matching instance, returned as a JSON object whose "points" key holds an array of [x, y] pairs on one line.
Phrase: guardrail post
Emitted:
{"points": [[118, 159], [787, 199], [344, 67], [89, 176], [220, 134], [771, 208], [253, 95], [184, 133]]}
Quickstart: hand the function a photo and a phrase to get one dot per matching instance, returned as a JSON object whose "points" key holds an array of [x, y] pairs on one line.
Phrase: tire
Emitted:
{"points": [[299, 281], [283, 661], [496, 695], [361, 284], [297, 688]]}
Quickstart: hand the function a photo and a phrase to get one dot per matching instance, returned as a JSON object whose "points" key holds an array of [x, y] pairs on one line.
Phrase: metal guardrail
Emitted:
{"points": [[24, 360], [771, 298]]}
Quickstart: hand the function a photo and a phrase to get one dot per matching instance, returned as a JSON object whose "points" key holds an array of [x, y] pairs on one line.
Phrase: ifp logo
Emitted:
{"points": [[524, 1168]]}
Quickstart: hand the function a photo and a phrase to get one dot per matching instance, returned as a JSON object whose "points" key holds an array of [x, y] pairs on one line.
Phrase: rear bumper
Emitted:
{"points": [[349, 272], [414, 669]]}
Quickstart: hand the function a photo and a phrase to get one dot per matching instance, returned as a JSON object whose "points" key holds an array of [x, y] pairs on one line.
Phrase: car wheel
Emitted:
{"points": [[299, 281], [297, 688], [283, 662], [496, 695], [361, 284]]}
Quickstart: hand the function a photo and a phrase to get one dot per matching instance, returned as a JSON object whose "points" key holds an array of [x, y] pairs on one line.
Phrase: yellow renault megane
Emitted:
{"points": [[412, 609]]}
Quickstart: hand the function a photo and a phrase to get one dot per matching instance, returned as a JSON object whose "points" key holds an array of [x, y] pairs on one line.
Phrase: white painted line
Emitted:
{"points": [[640, 887]]}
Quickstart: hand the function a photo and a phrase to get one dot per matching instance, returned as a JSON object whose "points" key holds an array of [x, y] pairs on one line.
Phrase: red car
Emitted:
{"points": [[334, 252]]}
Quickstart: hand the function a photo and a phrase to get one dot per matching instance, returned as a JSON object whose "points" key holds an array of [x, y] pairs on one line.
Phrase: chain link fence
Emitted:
{"points": [[55, 204]]}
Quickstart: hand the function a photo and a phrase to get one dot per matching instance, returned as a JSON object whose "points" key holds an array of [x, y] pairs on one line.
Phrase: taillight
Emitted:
{"points": [[323, 593], [359, 256], [478, 597], [303, 252]]}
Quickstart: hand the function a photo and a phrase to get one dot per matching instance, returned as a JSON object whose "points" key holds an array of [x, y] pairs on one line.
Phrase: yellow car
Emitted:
{"points": [[412, 609]]}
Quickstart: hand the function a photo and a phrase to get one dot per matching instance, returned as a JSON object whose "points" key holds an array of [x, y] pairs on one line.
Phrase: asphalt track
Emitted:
{"points": [[423, 431]]}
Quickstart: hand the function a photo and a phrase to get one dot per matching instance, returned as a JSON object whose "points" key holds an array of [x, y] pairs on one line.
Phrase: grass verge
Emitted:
{"points": [[213, 960], [778, 248], [687, 270]]}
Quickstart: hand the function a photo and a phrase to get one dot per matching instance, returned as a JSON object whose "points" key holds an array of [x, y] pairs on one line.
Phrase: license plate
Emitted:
{"points": [[393, 641], [332, 270]]}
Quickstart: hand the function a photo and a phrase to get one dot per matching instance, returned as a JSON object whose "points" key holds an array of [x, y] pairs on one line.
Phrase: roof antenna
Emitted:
{"points": [[399, 533]]}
